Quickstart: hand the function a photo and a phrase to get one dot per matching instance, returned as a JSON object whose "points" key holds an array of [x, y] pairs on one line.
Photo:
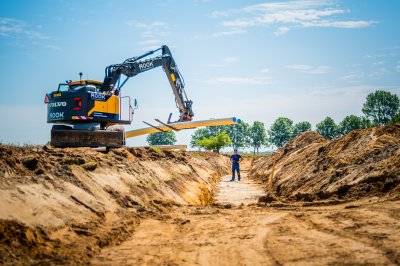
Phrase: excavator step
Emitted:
{"points": [[87, 138]]}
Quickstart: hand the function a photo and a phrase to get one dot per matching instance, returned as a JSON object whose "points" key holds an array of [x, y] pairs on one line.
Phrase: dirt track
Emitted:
{"points": [[361, 232], [366, 234]]}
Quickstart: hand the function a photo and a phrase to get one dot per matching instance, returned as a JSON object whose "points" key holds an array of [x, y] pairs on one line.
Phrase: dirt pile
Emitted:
{"points": [[361, 163], [69, 203]]}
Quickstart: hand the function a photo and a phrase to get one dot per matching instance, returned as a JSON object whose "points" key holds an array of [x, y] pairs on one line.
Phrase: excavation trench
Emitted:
{"points": [[65, 205], [332, 202], [235, 193]]}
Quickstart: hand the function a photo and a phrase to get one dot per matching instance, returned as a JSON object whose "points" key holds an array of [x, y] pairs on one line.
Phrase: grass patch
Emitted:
{"points": [[172, 176], [197, 155], [156, 150]]}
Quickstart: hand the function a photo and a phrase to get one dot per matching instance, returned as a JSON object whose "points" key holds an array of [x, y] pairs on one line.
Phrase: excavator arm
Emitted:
{"points": [[136, 65]]}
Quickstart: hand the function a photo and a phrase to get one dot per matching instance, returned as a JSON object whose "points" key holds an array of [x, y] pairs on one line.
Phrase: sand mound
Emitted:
{"points": [[361, 163], [68, 203]]}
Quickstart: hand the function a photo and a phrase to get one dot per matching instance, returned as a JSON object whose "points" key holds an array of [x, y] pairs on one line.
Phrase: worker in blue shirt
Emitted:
{"points": [[235, 159]]}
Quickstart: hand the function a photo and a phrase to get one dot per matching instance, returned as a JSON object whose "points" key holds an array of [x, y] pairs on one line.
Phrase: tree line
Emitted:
{"points": [[380, 108]]}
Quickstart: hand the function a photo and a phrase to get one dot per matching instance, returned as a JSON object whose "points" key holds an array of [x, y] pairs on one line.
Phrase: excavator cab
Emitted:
{"points": [[82, 100]]}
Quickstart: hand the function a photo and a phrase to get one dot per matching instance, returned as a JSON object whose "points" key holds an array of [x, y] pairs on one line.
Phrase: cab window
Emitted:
{"points": [[63, 87]]}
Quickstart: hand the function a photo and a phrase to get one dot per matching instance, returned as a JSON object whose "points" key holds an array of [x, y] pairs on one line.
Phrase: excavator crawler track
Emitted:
{"points": [[87, 138]]}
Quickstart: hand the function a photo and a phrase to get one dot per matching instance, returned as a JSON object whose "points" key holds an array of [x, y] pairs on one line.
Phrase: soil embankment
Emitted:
{"points": [[359, 164], [63, 205]]}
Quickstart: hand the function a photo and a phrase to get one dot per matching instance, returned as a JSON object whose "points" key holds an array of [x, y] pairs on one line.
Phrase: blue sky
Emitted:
{"points": [[256, 60]]}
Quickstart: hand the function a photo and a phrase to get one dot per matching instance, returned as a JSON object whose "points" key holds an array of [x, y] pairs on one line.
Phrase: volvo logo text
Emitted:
{"points": [[57, 104]]}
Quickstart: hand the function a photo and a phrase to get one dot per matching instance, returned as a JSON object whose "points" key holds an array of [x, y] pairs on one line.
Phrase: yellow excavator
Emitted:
{"points": [[86, 112]]}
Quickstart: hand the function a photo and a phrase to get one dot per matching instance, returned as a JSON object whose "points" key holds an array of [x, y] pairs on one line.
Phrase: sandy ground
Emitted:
{"points": [[364, 232], [244, 192], [330, 203]]}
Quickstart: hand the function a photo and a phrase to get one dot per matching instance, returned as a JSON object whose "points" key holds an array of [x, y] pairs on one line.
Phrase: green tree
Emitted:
{"points": [[199, 134], [206, 132], [162, 138], [366, 123], [239, 134], [328, 128], [395, 119], [352, 122], [381, 107], [258, 135], [301, 127], [281, 131], [215, 130], [214, 143]]}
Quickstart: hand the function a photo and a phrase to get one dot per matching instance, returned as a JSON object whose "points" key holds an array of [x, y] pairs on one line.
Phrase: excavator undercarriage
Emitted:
{"points": [[87, 138]]}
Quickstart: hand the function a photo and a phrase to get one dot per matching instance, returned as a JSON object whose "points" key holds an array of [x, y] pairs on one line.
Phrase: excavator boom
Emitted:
{"points": [[137, 65]]}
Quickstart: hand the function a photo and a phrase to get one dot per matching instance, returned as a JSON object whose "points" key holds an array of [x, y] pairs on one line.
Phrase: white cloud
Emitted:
{"points": [[264, 70], [318, 70], [310, 69], [148, 26], [282, 31], [9, 26], [339, 24], [229, 32], [230, 59], [287, 15], [36, 35], [288, 5], [300, 67], [13, 28], [380, 72], [149, 42], [219, 14], [378, 63], [375, 55], [238, 81], [151, 32], [54, 47], [352, 77], [224, 61]]}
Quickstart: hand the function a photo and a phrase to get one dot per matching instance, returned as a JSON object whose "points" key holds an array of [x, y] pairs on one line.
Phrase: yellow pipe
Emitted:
{"points": [[183, 125], [167, 147]]}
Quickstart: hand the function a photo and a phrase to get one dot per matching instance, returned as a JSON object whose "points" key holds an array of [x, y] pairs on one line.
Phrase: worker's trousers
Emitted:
{"points": [[235, 167]]}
